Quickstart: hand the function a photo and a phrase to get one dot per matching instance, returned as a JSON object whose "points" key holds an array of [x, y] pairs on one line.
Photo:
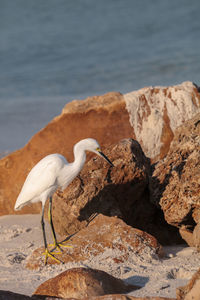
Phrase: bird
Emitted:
{"points": [[51, 173]]}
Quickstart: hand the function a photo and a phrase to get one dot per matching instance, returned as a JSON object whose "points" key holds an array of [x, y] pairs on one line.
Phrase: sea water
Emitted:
{"points": [[54, 51]]}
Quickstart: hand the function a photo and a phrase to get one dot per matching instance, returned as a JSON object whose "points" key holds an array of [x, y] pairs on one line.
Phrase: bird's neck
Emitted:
{"points": [[79, 160]]}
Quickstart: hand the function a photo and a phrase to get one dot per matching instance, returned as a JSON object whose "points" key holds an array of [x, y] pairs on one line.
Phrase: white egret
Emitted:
{"points": [[51, 173]]}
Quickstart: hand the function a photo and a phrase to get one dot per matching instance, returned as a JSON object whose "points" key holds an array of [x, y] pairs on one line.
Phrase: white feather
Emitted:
{"points": [[53, 172]]}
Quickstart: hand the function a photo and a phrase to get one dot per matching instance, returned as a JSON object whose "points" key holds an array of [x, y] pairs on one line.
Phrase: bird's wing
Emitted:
{"points": [[40, 180]]}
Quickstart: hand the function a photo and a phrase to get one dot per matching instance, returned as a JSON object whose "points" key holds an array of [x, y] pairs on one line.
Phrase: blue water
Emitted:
{"points": [[53, 51]]}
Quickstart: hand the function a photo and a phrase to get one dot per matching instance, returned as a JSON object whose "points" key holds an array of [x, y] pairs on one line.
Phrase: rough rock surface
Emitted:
{"points": [[82, 282], [125, 297], [150, 115], [119, 191], [175, 183], [102, 234], [192, 290], [114, 191], [6, 295], [105, 297], [155, 113]]}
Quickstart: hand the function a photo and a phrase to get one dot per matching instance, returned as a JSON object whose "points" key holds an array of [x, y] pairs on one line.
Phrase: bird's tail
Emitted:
{"points": [[18, 204]]}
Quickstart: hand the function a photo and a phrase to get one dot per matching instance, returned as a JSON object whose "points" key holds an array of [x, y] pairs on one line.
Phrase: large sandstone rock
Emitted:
{"points": [[114, 191], [150, 115], [104, 119], [175, 183], [155, 113], [192, 290], [109, 237], [80, 283], [119, 191]]}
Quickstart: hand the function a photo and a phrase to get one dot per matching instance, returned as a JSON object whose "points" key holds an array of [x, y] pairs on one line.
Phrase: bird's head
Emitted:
{"points": [[93, 146]]}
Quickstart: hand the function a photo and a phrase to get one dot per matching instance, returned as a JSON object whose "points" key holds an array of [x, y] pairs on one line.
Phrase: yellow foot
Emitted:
{"points": [[47, 254], [57, 246], [65, 245]]}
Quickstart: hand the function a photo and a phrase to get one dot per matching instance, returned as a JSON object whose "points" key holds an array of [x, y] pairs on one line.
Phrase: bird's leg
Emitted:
{"points": [[47, 253], [56, 243]]}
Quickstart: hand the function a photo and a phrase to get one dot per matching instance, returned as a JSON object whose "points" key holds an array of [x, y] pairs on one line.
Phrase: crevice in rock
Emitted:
{"points": [[143, 215]]}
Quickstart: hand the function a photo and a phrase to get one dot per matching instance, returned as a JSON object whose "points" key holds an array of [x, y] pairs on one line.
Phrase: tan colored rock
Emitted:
{"points": [[119, 191], [100, 236], [150, 115], [156, 112], [196, 237], [105, 297], [187, 235], [108, 123], [128, 297], [105, 102], [192, 290], [81, 282], [176, 179]]}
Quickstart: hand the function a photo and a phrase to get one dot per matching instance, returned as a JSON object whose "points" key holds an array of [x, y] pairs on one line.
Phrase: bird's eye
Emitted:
{"points": [[98, 149]]}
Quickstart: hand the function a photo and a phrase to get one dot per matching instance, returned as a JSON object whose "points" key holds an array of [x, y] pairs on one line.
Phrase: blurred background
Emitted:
{"points": [[54, 51]]}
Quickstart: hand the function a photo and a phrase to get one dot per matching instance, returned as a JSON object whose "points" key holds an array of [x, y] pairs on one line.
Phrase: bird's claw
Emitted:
{"points": [[55, 246], [65, 246], [47, 254], [58, 246]]}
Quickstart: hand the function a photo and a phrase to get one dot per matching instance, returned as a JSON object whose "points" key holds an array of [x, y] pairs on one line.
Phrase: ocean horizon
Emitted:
{"points": [[55, 51]]}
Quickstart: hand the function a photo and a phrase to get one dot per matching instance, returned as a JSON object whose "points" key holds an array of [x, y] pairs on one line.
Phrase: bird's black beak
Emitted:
{"points": [[105, 157]]}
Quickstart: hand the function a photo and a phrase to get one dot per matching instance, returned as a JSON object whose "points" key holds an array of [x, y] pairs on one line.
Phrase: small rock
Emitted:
{"points": [[81, 283], [109, 235]]}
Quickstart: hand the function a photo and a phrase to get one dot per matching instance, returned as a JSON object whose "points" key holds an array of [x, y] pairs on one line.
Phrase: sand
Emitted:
{"points": [[20, 235]]}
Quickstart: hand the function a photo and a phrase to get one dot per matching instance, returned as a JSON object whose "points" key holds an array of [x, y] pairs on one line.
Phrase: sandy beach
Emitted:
{"points": [[20, 235]]}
